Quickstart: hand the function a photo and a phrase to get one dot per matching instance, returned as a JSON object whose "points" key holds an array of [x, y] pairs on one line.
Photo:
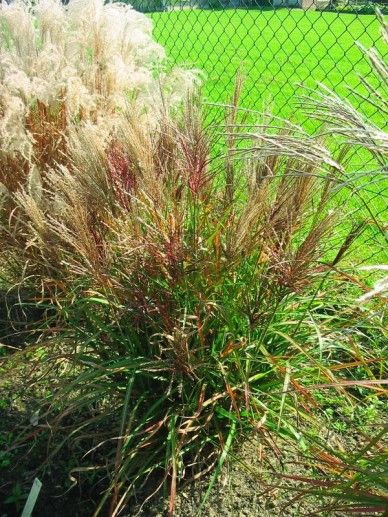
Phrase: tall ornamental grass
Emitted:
{"points": [[182, 269], [74, 66]]}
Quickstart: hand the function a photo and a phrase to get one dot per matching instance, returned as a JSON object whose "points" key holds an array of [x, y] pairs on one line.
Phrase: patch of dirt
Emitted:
{"points": [[243, 490]]}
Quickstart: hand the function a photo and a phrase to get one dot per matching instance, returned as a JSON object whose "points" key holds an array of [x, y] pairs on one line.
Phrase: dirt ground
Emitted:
{"points": [[242, 489]]}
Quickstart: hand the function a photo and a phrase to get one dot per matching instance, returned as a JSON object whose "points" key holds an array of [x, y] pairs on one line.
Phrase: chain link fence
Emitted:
{"points": [[281, 47]]}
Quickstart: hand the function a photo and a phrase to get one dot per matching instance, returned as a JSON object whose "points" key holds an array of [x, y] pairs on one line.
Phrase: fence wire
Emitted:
{"points": [[281, 47]]}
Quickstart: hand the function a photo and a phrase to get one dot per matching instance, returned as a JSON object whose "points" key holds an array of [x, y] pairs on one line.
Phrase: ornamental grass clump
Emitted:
{"points": [[179, 282], [177, 285], [75, 65]]}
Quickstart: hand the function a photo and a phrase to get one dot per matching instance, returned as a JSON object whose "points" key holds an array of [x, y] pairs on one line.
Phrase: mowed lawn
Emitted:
{"points": [[276, 49]]}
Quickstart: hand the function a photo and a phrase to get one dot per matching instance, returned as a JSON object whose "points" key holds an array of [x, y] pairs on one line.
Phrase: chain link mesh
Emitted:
{"points": [[281, 47]]}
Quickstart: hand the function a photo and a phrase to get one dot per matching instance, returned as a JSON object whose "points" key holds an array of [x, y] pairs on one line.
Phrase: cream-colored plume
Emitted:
{"points": [[92, 57]]}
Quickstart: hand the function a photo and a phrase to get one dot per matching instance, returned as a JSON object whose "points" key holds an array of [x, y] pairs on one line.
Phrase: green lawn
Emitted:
{"points": [[276, 49]]}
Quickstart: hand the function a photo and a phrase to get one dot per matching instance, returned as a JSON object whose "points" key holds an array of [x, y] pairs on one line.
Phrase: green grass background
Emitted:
{"points": [[277, 50]]}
